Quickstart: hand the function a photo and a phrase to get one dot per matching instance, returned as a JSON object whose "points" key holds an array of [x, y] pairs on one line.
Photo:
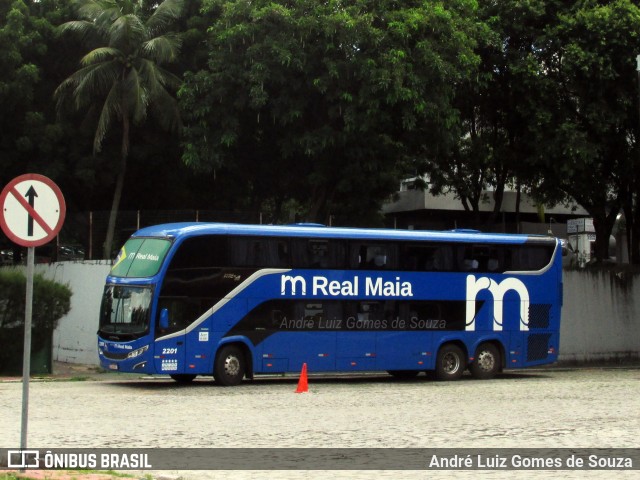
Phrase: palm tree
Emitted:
{"points": [[122, 74]]}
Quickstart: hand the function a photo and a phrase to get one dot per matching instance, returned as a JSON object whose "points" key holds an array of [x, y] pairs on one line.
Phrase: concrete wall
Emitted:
{"points": [[600, 316], [75, 340]]}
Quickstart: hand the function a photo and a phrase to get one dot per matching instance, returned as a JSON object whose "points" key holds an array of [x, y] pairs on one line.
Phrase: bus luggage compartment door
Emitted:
{"points": [[356, 351]]}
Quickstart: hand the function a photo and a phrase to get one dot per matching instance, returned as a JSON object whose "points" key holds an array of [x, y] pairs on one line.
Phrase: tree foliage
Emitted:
{"points": [[320, 102], [588, 127], [496, 146], [26, 130], [122, 76], [552, 110], [322, 107]]}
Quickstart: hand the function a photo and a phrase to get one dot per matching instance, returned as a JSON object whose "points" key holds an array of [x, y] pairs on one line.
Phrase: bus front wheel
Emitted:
{"points": [[450, 363], [229, 367], [486, 362]]}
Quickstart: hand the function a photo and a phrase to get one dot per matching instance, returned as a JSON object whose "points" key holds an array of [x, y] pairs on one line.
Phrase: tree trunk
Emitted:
{"points": [[634, 228], [115, 205], [117, 194], [603, 224], [319, 199], [498, 197]]}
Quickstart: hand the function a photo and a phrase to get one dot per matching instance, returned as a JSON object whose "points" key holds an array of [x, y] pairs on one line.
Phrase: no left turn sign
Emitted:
{"points": [[33, 210]]}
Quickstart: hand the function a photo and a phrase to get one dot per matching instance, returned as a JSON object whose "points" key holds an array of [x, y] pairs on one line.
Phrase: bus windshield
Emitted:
{"points": [[140, 257], [125, 311]]}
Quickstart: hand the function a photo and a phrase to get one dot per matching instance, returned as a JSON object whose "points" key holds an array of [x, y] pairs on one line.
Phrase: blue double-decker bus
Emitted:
{"points": [[234, 301]]}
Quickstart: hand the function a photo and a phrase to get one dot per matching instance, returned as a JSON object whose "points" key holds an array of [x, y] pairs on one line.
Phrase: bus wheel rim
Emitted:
{"points": [[452, 363], [485, 361], [231, 366]]}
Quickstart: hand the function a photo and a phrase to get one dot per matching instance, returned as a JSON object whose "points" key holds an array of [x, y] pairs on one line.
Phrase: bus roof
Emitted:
{"points": [[190, 229]]}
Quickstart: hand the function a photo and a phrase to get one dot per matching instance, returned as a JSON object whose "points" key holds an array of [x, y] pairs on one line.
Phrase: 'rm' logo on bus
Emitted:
{"points": [[498, 291], [292, 282]]}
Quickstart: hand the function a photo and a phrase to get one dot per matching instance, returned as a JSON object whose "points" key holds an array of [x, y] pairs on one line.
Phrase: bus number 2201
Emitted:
{"points": [[170, 351]]}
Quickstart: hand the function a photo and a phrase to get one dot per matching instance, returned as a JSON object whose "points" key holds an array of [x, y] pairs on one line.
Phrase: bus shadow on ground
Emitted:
{"points": [[166, 383]]}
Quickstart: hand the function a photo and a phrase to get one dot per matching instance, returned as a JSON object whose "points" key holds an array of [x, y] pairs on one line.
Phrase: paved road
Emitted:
{"points": [[582, 408]]}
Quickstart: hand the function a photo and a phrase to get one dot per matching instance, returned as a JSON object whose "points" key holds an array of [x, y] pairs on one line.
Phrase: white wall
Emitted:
{"points": [[600, 318], [601, 314], [75, 340]]}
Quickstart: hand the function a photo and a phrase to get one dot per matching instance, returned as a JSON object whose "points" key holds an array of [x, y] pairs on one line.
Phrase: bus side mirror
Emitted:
{"points": [[164, 319]]}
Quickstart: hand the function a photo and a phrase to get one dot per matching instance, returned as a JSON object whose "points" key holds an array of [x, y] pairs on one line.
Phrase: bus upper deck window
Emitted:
{"points": [[373, 257]]}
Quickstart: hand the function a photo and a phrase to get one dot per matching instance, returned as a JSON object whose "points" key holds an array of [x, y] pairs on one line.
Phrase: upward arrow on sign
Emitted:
{"points": [[31, 195], [44, 218]]}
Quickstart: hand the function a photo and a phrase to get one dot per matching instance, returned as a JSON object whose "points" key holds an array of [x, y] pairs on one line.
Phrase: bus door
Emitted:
{"points": [[170, 345]]}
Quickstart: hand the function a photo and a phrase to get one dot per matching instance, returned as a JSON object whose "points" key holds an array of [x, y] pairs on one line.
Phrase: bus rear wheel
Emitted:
{"points": [[229, 368], [450, 363], [486, 362]]}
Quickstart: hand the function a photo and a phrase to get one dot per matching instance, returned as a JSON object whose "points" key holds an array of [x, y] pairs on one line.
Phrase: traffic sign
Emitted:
{"points": [[33, 210]]}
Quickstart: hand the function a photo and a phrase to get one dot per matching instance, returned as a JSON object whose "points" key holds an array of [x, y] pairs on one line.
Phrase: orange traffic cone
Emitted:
{"points": [[303, 386]]}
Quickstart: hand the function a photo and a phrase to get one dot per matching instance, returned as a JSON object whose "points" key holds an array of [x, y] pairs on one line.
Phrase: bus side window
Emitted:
{"points": [[201, 252], [440, 259], [443, 258], [277, 317], [314, 311], [283, 252], [317, 253], [428, 258], [270, 315], [483, 258], [466, 260], [373, 256], [473, 258], [495, 261], [259, 252], [493, 265], [530, 257], [423, 310]]}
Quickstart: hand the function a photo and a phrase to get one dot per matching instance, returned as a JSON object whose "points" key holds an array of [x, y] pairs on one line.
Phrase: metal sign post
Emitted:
{"points": [[26, 358], [33, 211]]}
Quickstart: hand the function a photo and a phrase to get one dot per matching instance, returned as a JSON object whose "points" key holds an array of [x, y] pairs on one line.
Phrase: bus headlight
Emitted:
{"points": [[138, 352]]}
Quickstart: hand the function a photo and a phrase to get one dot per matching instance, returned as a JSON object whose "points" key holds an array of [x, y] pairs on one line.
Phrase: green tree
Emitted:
{"points": [[321, 103], [588, 125], [122, 78], [23, 49], [497, 146]]}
